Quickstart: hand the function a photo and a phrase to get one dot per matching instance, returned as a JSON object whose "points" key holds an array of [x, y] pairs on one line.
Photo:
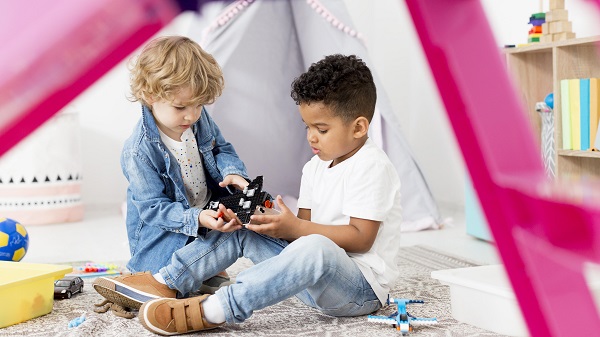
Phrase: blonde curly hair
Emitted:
{"points": [[170, 63]]}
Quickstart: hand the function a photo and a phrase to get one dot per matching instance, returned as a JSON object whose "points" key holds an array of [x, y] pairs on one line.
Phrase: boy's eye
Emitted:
{"points": [[318, 130], [180, 108]]}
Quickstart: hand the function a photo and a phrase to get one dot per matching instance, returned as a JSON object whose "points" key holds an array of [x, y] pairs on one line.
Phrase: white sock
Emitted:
{"points": [[159, 278], [213, 311]]}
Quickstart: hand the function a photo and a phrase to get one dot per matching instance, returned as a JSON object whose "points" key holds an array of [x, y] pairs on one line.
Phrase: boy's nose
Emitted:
{"points": [[191, 116], [310, 137]]}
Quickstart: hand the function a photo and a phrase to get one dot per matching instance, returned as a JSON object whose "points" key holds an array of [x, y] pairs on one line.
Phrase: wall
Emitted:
{"points": [[107, 117], [400, 63]]}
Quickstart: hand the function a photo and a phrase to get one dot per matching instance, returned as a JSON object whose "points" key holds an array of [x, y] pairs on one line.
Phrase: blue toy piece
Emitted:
{"points": [[402, 320], [14, 240], [75, 322], [549, 100]]}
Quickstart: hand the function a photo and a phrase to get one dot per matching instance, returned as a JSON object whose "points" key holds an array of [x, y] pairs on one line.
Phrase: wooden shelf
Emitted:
{"points": [[583, 154], [537, 70], [534, 47]]}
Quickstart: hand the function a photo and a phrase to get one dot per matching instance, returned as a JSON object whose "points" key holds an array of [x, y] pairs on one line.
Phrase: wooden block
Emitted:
{"points": [[563, 36], [557, 15], [557, 4], [559, 27], [546, 38]]}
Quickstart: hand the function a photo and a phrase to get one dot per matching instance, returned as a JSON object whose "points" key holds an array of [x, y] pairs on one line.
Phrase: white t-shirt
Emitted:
{"points": [[188, 156], [364, 186]]}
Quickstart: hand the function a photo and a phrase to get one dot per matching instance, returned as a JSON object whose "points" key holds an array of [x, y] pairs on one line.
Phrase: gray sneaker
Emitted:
{"points": [[213, 284]]}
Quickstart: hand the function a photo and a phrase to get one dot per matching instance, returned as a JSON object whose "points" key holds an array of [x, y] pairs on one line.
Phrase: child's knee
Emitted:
{"points": [[314, 245]]}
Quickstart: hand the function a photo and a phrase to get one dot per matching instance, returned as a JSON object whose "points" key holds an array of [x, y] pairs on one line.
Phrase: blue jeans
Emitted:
{"points": [[313, 268]]}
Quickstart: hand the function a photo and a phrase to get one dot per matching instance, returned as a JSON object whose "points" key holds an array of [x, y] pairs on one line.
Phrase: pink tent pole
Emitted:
{"points": [[52, 51], [543, 234]]}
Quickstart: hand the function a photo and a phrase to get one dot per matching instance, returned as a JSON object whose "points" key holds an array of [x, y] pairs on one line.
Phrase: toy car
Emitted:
{"points": [[67, 286]]}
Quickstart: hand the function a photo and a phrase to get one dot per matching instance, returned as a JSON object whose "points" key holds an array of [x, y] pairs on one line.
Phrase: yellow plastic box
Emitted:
{"points": [[27, 290]]}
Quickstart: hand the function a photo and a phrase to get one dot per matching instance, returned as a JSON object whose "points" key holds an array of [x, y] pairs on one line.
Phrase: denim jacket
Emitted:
{"points": [[159, 217]]}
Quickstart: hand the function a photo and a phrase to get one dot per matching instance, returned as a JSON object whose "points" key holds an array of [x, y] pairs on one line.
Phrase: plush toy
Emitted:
{"points": [[14, 240]]}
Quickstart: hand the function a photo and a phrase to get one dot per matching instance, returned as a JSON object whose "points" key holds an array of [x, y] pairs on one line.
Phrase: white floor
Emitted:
{"points": [[101, 237]]}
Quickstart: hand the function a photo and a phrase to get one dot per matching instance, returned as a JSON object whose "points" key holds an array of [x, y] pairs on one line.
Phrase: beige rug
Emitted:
{"points": [[288, 318]]}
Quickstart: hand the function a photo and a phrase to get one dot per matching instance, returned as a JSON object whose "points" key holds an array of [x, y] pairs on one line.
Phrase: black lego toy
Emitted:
{"points": [[245, 203]]}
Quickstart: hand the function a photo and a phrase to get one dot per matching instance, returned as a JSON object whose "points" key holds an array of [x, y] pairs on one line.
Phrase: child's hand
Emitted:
{"points": [[223, 221], [281, 226], [233, 179]]}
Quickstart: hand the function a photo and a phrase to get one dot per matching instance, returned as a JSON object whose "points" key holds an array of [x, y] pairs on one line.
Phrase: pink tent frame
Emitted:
{"points": [[53, 51], [543, 235]]}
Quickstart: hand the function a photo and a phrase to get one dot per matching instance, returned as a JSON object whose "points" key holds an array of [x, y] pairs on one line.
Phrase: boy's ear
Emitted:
{"points": [[361, 127], [149, 99]]}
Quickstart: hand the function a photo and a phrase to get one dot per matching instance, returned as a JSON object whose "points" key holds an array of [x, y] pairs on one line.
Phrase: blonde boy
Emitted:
{"points": [[176, 159]]}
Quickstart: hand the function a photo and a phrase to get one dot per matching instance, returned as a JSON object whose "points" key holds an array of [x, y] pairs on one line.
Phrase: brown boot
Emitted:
{"points": [[131, 291], [173, 317]]}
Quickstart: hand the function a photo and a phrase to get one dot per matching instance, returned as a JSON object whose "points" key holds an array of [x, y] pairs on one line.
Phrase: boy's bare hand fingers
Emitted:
{"points": [[256, 219], [220, 222], [256, 228], [233, 225], [228, 226], [231, 214], [262, 219], [227, 213], [266, 229]]}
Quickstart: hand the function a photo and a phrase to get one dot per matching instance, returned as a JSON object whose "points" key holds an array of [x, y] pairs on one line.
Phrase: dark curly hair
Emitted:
{"points": [[343, 83]]}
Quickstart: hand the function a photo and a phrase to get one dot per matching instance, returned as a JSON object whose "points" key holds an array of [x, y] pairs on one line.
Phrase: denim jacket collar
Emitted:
{"points": [[149, 124]]}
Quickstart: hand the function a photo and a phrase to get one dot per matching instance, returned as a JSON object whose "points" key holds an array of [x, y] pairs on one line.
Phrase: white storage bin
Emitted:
{"points": [[483, 297]]}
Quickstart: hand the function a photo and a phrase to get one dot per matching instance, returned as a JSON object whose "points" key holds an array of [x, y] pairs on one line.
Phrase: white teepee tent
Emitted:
{"points": [[262, 46]]}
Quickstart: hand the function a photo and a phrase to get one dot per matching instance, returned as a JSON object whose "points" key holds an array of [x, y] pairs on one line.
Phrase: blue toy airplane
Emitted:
{"points": [[402, 320]]}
